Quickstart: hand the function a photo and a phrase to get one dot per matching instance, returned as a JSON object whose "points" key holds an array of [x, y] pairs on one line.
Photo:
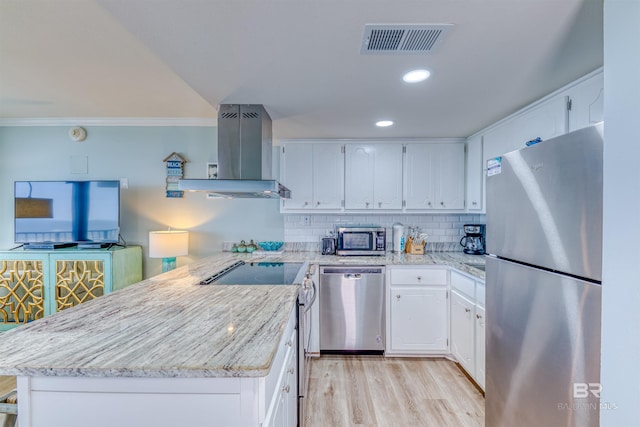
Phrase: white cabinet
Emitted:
{"points": [[462, 331], [434, 176], [474, 175], [586, 102], [545, 121], [373, 176], [283, 408], [314, 172], [468, 324], [480, 345], [417, 311]]}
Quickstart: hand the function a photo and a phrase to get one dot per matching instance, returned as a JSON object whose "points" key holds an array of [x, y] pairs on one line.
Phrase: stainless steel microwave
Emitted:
{"points": [[365, 240]]}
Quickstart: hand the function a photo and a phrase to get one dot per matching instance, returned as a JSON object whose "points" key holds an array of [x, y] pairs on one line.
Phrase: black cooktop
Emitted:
{"points": [[256, 273]]}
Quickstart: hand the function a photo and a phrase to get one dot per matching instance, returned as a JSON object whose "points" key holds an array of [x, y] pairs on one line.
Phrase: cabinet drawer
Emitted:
{"points": [[463, 284], [418, 276]]}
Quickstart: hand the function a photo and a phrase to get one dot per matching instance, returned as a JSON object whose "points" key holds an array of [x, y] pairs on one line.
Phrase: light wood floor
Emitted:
{"points": [[378, 391]]}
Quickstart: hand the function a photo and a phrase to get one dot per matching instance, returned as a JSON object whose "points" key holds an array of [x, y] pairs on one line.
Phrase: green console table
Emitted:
{"points": [[36, 283]]}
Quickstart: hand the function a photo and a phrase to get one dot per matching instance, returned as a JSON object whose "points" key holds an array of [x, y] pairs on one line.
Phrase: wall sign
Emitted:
{"points": [[175, 170]]}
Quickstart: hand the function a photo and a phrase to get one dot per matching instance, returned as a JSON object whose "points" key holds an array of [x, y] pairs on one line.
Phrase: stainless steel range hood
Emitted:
{"points": [[244, 156]]}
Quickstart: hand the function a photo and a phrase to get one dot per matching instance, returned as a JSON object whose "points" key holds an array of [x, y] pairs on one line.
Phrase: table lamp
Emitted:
{"points": [[168, 245]]}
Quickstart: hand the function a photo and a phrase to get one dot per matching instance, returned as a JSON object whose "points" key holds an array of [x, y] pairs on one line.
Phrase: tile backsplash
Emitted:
{"points": [[444, 230]]}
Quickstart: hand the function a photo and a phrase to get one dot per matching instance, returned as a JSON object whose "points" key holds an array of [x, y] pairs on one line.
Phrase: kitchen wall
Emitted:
{"points": [[136, 153], [444, 230]]}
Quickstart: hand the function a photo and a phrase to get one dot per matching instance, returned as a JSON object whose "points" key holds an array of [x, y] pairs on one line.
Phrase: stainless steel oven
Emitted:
{"points": [[361, 240]]}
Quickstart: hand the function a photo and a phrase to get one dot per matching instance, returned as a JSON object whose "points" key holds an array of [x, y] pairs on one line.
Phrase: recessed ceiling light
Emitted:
{"points": [[384, 123], [416, 76]]}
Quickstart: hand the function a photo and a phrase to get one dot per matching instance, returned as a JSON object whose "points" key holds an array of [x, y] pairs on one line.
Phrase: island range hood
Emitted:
{"points": [[244, 156]]}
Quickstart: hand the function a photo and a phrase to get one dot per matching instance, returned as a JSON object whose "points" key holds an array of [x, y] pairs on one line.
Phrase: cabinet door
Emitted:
{"points": [[296, 174], [480, 336], [545, 121], [418, 318], [359, 176], [24, 289], [79, 278], [387, 178], [449, 175], [419, 188], [587, 103], [291, 392], [328, 176], [462, 339], [474, 174]]}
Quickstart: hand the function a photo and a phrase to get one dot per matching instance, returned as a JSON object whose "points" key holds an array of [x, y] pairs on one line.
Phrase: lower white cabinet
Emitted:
{"points": [[468, 324], [462, 331], [417, 311], [480, 346], [283, 411]]}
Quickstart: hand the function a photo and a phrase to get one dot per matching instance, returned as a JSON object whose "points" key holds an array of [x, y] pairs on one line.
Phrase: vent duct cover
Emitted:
{"points": [[403, 38]]}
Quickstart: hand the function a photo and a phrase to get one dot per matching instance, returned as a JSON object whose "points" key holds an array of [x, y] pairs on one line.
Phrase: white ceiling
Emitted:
{"points": [[300, 58]]}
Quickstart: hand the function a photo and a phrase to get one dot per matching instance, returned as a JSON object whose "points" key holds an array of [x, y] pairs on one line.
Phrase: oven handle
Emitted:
{"points": [[308, 279]]}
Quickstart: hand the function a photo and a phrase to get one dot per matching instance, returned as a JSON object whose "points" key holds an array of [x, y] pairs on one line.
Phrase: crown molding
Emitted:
{"points": [[109, 121]]}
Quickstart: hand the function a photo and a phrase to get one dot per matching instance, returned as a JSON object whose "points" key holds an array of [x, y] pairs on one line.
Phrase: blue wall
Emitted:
{"points": [[136, 153]]}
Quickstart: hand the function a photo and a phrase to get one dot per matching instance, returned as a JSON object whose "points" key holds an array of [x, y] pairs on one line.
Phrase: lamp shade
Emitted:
{"points": [[168, 243]]}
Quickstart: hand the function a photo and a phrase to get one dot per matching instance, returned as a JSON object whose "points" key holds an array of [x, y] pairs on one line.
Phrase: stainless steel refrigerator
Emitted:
{"points": [[543, 283]]}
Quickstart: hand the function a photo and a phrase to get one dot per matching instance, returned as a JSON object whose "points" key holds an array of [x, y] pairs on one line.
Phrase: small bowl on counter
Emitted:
{"points": [[270, 246]]}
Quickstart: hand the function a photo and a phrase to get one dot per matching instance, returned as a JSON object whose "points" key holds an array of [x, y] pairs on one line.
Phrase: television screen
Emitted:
{"points": [[67, 211]]}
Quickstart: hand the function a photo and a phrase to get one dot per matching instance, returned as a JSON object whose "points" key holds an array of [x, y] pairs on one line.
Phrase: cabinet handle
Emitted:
{"points": [[467, 310], [419, 278], [288, 343], [398, 297], [290, 371], [441, 203], [429, 203], [379, 204], [286, 388], [305, 203], [478, 316], [317, 203], [366, 204], [474, 203]]}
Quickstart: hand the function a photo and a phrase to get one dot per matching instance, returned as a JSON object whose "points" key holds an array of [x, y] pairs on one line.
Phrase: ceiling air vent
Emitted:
{"points": [[403, 38]]}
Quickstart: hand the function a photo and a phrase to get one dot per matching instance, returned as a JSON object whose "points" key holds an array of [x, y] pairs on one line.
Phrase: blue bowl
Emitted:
{"points": [[270, 246]]}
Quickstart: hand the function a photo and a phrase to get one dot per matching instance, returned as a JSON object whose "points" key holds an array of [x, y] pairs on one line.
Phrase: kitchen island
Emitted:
{"points": [[168, 351]]}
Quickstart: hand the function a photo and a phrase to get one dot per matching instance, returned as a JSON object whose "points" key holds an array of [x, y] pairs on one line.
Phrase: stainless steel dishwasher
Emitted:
{"points": [[352, 309]]}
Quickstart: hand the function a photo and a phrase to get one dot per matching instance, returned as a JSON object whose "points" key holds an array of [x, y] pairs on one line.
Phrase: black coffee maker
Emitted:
{"points": [[474, 239]]}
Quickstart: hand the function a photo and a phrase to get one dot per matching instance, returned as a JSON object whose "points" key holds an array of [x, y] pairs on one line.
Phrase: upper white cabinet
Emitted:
{"points": [[357, 176], [434, 176], [586, 102], [473, 174], [545, 121], [314, 173], [373, 176]]}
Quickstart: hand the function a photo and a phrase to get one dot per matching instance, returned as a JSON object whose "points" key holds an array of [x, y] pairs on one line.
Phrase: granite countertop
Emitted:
{"points": [[165, 326], [458, 260], [170, 326]]}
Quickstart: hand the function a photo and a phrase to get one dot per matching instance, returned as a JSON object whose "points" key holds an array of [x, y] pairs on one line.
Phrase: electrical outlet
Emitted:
{"points": [[305, 220]]}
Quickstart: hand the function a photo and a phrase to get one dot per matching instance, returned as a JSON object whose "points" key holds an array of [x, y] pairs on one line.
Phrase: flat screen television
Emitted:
{"points": [[50, 213]]}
